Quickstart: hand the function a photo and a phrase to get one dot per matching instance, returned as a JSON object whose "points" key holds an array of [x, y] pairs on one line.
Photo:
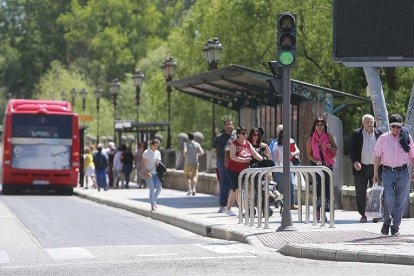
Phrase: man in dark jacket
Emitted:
{"points": [[100, 161], [362, 157]]}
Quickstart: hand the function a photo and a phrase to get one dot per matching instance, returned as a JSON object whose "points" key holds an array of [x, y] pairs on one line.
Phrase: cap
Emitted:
{"points": [[396, 120], [100, 146]]}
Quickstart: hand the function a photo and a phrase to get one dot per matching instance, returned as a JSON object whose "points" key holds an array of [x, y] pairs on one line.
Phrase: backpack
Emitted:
{"points": [[100, 161]]}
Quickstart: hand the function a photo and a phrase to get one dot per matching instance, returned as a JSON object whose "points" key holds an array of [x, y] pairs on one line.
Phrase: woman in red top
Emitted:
{"points": [[241, 153]]}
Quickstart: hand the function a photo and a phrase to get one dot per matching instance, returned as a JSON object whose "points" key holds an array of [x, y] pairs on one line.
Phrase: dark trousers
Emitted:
{"points": [[362, 178], [224, 183]]}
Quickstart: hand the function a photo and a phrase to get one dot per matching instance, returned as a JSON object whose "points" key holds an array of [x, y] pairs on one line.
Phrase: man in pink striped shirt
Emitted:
{"points": [[394, 158]]}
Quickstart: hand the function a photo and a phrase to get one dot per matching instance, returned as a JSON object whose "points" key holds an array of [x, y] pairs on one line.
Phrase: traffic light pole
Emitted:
{"points": [[286, 224]]}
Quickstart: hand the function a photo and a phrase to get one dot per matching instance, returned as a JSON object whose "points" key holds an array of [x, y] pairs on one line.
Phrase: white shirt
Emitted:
{"points": [[117, 164], [278, 153], [368, 145], [152, 158]]}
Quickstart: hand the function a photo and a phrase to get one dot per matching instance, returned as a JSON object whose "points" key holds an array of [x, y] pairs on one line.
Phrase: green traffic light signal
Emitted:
{"points": [[286, 58], [286, 42]]}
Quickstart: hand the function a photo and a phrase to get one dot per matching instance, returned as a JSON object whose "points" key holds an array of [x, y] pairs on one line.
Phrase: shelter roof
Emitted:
{"points": [[236, 86]]}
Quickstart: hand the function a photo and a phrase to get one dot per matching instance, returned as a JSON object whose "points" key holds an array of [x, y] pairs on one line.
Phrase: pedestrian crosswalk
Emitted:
{"points": [[224, 249]]}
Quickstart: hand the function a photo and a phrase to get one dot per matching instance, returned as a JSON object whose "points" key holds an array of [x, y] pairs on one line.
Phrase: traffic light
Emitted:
{"points": [[286, 39]]}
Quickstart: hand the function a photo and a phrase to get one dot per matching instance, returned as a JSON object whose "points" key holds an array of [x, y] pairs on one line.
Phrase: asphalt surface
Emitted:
{"points": [[348, 240]]}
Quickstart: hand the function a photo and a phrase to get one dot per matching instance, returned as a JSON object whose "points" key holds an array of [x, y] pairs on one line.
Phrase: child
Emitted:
{"points": [[88, 167]]}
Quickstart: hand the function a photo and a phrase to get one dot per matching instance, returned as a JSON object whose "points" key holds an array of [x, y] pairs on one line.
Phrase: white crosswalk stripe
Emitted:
{"points": [[224, 248], [4, 258], [69, 253]]}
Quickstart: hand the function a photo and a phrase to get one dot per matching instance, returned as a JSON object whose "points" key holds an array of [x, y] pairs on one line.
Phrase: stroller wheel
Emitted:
{"points": [[270, 212]]}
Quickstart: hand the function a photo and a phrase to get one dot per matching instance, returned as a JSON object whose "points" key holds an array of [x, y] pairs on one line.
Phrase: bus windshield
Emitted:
{"points": [[41, 141], [42, 126]]}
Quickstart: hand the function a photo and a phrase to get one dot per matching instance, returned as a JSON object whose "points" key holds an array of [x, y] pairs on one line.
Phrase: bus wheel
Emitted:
{"points": [[69, 191], [7, 189], [64, 191]]}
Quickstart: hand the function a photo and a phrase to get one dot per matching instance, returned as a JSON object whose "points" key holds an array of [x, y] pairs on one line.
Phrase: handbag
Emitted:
{"points": [[296, 161], [161, 170], [374, 206]]}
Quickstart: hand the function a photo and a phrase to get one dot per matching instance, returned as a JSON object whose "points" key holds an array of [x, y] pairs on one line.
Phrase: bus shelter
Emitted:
{"points": [[248, 92]]}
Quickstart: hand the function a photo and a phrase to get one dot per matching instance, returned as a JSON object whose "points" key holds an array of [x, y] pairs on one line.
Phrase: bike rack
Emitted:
{"points": [[246, 183]]}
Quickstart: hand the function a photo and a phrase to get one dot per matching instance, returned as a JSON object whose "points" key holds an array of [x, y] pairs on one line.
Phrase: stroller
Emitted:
{"points": [[275, 198]]}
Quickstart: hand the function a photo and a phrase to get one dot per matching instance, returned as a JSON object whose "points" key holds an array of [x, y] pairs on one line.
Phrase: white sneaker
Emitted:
{"points": [[221, 209], [230, 213]]}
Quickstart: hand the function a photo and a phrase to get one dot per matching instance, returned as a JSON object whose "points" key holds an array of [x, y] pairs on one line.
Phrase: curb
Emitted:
{"points": [[189, 224], [303, 251]]}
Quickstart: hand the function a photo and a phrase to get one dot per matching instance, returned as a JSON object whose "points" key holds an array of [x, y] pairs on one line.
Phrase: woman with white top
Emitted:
{"points": [[150, 159], [278, 155]]}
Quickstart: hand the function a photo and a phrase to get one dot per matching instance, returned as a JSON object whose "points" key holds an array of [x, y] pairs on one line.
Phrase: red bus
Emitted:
{"points": [[40, 146]]}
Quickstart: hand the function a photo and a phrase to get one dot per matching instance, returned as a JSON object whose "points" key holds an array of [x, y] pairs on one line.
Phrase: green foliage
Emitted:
{"points": [[47, 46]]}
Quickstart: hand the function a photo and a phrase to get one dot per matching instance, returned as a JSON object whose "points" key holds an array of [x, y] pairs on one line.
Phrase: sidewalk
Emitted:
{"points": [[348, 241]]}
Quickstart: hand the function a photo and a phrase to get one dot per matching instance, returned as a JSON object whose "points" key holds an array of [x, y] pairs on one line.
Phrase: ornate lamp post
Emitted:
{"points": [[98, 94], [138, 80], [83, 94], [73, 94], [115, 91], [168, 67], [63, 95], [212, 53]]}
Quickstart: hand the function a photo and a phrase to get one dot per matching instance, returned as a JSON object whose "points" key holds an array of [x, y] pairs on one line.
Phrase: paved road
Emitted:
{"points": [[62, 235]]}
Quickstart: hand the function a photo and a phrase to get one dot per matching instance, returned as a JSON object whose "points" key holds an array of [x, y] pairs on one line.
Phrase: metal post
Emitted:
{"points": [[286, 224], [116, 117], [137, 98], [213, 123], [97, 120], [169, 115], [81, 142]]}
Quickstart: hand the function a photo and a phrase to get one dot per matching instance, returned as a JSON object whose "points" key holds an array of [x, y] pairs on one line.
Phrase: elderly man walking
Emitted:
{"points": [[362, 157], [394, 150]]}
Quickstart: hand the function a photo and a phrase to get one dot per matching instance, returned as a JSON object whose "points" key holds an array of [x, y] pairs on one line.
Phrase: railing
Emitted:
{"points": [[246, 196]]}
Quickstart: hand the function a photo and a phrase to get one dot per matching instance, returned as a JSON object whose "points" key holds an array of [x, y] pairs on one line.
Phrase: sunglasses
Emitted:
{"points": [[255, 134], [320, 124], [243, 133], [394, 126]]}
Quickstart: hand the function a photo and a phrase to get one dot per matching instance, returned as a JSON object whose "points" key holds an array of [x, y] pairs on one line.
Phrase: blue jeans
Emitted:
{"points": [[223, 182], [101, 178], [396, 189], [155, 187], [281, 187]]}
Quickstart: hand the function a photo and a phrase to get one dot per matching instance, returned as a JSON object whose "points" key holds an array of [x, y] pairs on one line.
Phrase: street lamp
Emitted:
{"points": [[115, 91], [168, 67], [212, 53], [138, 80], [98, 94], [83, 94], [73, 94], [63, 95]]}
